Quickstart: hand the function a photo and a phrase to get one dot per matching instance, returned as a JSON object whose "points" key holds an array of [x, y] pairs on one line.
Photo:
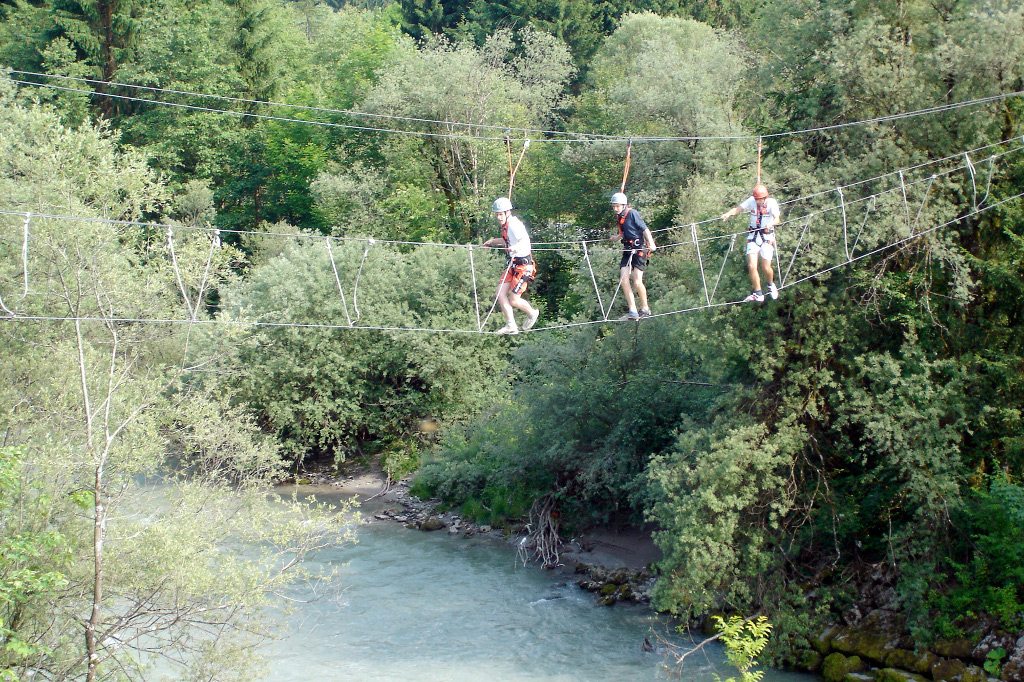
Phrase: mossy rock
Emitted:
{"points": [[432, 523], [837, 666], [953, 648], [823, 642], [910, 660], [809, 660], [973, 674], [894, 675], [947, 669], [870, 645], [608, 589]]}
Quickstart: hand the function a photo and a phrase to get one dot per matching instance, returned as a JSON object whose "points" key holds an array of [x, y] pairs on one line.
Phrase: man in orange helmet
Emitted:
{"points": [[763, 211]]}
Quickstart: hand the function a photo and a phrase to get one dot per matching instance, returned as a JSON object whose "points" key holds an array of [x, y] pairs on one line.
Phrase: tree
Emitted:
{"points": [[507, 89], [101, 404], [105, 33]]}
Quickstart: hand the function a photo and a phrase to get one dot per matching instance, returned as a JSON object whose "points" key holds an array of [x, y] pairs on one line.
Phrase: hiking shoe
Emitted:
{"points": [[631, 315], [773, 290], [508, 329], [646, 312], [530, 321], [757, 297]]}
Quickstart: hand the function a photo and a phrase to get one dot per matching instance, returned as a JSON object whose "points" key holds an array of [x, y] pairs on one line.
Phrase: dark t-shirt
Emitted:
{"points": [[632, 226]]}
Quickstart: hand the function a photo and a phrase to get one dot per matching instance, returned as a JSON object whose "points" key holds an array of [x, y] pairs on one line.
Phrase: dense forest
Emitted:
{"points": [[238, 239]]}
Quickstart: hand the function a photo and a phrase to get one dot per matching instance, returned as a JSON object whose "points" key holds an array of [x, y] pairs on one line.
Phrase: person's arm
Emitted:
{"points": [[649, 240], [494, 243], [731, 213]]}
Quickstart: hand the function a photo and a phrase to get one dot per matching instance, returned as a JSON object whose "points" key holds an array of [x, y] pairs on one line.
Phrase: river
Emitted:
{"points": [[410, 605]]}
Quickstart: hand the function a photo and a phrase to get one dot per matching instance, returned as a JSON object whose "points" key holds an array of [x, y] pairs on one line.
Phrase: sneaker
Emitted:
{"points": [[508, 329], [631, 315], [757, 296], [646, 312], [773, 290], [530, 321]]}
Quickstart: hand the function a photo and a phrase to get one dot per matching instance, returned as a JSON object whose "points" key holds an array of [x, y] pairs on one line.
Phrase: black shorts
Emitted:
{"points": [[637, 258]]}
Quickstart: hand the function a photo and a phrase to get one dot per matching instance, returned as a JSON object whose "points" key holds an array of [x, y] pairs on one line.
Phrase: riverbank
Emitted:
{"points": [[616, 564]]}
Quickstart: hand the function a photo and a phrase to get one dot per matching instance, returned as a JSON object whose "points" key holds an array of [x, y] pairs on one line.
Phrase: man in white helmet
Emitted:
{"points": [[637, 246], [763, 211], [520, 270]]}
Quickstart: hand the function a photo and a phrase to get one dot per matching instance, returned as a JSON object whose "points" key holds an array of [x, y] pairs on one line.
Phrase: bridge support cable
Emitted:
{"points": [[799, 242], [337, 280], [24, 255], [476, 298], [700, 261], [868, 210], [177, 275], [846, 240], [355, 287], [593, 279], [725, 259], [508, 268], [924, 201], [906, 204]]}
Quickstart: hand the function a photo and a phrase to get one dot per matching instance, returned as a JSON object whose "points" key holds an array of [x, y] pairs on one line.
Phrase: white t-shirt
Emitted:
{"points": [[770, 216], [518, 240]]}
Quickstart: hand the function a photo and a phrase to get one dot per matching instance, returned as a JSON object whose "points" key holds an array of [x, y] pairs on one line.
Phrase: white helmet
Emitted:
{"points": [[619, 198], [501, 204]]}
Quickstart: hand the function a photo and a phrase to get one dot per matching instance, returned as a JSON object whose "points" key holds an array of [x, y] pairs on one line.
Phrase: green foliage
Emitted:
{"points": [[101, 410], [744, 639], [339, 391], [993, 661], [518, 80], [990, 580], [33, 561]]}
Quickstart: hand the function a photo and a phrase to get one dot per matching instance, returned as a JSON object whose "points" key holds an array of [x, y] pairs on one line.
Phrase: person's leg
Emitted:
{"points": [[505, 304], [755, 280], [521, 303], [641, 290], [627, 289], [767, 253]]}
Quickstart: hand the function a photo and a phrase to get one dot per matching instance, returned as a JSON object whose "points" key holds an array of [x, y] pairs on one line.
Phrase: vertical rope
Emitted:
{"points": [[337, 280], [586, 257], [476, 299], [795, 252], [625, 168], [924, 201], [725, 259], [488, 315], [974, 185], [700, 261], [214, 243], [846, 238], [508, 152], [618, 284], [177, 274], [355, 288], [906, 203], [24, 254], [988, 184], [867, 213], [778, 263], [513, 171], [758, 160]]}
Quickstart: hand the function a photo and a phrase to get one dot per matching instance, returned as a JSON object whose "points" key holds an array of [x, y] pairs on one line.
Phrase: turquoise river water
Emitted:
{"points": [[410, 605]]}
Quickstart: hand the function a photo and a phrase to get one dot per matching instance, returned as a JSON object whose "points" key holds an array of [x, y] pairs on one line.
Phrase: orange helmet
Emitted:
{"points": [[760, 191]]}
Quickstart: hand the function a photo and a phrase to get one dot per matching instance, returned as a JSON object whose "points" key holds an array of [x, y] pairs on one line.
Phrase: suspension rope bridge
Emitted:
{"points": [[580, 249]]}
